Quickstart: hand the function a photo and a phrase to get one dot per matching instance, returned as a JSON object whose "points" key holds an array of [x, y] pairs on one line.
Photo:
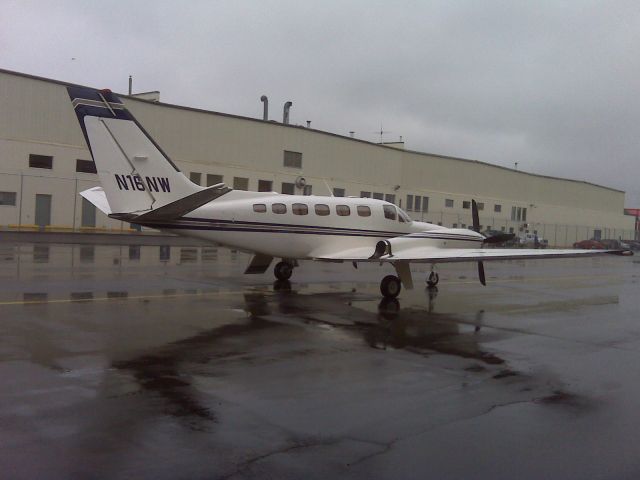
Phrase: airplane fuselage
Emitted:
{"points": [[305, 227]]}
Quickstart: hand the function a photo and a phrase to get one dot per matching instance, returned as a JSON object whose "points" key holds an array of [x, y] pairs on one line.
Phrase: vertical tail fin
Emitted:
{"points": [[136, 175]]}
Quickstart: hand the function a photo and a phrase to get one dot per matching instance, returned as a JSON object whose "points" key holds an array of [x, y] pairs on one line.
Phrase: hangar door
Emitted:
{"points": [[43, 210]]}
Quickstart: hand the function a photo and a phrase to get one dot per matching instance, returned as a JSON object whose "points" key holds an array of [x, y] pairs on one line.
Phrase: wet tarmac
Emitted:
{"points": [[167, 362]]}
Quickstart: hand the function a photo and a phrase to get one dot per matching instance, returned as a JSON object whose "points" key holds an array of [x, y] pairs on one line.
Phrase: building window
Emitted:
{"points": [[410, 202], [322, 210], [425, 204], [466, 204], [265, 186], [165, 253], [213, 179], [519, 214], [364, 211], [300, 209], [195, 177], [240, 183], [390, 197], [497, 208], [455, 225], [448, 203], [307, 189], [8, 198], [88, 214], [480, 206], [41, 161], [378, 196], [365, 194], [134, 252], [279, 208], [292, 159], [259, 207], [343, 210], [524, 214], [418, 203], [288, 188], [338, 192], [513, 214], [389, 212], [85, 166]]}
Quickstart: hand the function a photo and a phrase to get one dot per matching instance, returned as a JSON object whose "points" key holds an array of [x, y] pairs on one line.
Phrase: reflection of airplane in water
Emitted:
{"points": [[165, 372], [141, 185]]}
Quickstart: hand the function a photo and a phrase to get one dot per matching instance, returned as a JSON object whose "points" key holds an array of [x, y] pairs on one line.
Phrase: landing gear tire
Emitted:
{"points": [[390, 286], [433, 279], [283, 270]]}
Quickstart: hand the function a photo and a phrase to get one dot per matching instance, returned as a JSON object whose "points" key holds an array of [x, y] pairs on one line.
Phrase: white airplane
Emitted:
{"points": [[141, 185]]}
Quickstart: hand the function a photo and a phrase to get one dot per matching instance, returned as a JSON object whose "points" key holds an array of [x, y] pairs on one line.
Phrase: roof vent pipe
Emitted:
{"points": [[265, 110], [130, 85], [285, 112]]}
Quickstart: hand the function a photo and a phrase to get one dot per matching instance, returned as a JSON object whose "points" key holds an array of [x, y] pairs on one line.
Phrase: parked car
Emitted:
{"points": [[613, 244], [532, 240], [634, 244], [589, 245]]}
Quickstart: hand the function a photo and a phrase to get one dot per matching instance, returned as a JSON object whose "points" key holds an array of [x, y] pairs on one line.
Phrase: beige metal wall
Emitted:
{"points": [[36, 118]]}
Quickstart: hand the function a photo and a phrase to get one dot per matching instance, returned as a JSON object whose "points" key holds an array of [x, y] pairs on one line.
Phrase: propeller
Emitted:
{"points": [[476, 228]]}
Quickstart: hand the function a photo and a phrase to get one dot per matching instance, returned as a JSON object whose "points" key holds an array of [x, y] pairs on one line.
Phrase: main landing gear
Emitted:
{"points": [[390, 286], [283, 270], [433, 279]]}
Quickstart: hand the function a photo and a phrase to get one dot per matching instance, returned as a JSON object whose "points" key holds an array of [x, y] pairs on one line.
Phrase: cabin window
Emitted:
{"points": [[322, 210], [279, 208], [299, 209], [259, 207], [389, 212], [364, 211], [343, 210]]}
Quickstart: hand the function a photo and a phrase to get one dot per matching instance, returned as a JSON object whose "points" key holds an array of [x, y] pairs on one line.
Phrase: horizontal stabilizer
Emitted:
{"points": [[97, 197], [183, 206]]}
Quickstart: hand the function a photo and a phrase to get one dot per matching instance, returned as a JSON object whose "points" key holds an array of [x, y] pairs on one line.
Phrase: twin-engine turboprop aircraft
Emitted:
{"points": [[141, 185]]}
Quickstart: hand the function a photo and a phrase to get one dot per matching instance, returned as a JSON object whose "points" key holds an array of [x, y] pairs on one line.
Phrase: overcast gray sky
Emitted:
{"points": [[551, 85]]}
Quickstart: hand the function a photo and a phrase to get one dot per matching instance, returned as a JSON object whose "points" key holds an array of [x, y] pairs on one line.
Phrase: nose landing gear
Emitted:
{"points": [[283, 270]]}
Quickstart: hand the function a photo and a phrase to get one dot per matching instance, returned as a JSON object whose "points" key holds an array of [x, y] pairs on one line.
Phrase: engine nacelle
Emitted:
{"points": [[440, 238]]}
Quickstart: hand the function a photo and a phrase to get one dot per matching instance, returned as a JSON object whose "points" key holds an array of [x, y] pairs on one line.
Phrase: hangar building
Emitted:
{"points": [[44, 163]]}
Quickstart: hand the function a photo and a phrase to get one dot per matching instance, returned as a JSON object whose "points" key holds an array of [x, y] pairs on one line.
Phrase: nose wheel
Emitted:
{"points": [[433, 279], [283, 270], [390, 286]]}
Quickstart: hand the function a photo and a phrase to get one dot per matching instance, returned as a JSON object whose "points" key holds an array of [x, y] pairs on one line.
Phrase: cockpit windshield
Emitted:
{"points": [[403, 217]]}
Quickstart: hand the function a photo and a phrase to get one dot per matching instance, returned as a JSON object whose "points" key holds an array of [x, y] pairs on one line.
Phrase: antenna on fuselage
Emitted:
{"points": [[328, 187]]}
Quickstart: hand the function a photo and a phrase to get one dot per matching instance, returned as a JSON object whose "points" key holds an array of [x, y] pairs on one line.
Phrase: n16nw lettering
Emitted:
{"points": [[135, 182]]}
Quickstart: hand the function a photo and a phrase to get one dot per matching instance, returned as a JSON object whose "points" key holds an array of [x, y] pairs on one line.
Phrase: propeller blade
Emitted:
{"points": [[501, 237], [483, 280], [475, 216]]}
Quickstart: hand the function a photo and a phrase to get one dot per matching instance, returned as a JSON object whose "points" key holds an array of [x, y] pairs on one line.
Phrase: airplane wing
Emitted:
{"points": [[447, 255]]}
